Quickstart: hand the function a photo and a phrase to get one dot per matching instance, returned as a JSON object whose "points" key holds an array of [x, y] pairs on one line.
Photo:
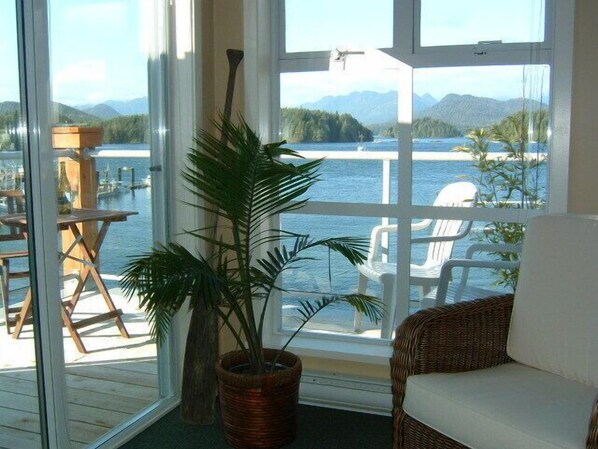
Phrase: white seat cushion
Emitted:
{"points": [[553, 326], [510, 406]]}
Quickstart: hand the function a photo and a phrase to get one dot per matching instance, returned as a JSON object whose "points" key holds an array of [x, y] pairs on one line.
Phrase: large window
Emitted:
{"points": [[412, 103]]}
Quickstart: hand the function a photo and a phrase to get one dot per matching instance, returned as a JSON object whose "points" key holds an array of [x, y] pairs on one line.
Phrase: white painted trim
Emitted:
{"points": [[185, 113], [345, 392], [561, 94], [35, 85]]}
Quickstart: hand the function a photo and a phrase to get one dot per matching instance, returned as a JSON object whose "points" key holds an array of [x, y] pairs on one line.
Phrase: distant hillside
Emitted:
{"points": [[130, 107], [102, 111], [368, 107], [8, 107], [378, 111], [425, 101], [425, 127], [467, 112], [66, 114]]}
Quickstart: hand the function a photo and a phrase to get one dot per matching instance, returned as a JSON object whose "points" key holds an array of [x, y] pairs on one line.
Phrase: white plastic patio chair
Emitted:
{"points": [[451, 290], [426, 275]]}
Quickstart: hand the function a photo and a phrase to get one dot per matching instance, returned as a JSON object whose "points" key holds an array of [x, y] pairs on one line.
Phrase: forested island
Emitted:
{"points": [[126, 129], [304, 125], [425, 127]]}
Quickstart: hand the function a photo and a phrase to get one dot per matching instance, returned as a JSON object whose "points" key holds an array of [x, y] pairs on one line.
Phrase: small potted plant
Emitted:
{"points": [[245, 184]]}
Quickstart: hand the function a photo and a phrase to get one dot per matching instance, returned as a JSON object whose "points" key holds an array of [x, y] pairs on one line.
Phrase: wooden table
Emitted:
{"points": [[89, 254]]}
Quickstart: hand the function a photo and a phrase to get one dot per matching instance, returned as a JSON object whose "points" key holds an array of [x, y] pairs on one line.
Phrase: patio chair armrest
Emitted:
{"points": [[446, 273], [454, 338], [592, 441], [420, 225], [493, 248], [378, 231], [439, 238]]}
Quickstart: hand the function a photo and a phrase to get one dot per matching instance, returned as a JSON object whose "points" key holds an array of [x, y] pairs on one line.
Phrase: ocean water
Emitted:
{"points": [[341, 180]]}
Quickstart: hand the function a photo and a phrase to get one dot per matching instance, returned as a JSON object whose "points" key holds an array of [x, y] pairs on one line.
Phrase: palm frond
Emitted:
{"points": [[243, 183], [165, 278]]}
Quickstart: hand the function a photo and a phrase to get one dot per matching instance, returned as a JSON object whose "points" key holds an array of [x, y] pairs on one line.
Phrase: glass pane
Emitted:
{"points": [[314, 25], [100, 93], [490, 130], [19, 405], [309, 280], [347, 118], [471, 21], [490, 243]]}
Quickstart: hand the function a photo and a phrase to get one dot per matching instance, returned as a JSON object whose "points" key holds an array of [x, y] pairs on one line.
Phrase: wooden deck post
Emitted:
{"points": [[81, 172]]}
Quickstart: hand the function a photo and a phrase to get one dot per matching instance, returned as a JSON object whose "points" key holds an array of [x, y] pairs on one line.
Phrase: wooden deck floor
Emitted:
{"points": [[116, 380]]}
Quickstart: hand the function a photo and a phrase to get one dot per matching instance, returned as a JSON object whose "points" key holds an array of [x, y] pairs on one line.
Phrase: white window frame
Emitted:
{"points": [[490, 47], [36, 98], [266, 59]]}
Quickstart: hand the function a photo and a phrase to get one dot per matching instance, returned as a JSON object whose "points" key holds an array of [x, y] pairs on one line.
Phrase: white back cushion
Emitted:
{"points": [[554, 326]]}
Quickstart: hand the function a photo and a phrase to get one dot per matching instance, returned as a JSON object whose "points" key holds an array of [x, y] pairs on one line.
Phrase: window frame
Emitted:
{"points": [[546, 44], [266, 47]]}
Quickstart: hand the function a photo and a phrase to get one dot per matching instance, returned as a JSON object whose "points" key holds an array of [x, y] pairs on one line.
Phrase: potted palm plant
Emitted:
{"points": [[245, 184]]}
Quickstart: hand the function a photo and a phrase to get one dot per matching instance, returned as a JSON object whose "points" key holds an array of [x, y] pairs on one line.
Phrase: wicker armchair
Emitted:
{"points": [[454, 338], [471, 336], [445, 339]]}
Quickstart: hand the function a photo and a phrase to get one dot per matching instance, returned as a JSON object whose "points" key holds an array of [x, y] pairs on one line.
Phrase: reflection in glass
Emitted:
{"points": [[100, 99]]}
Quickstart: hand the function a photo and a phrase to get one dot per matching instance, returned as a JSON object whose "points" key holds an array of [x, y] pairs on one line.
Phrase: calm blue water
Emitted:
{"points": [[344, 181], [341, 181]]}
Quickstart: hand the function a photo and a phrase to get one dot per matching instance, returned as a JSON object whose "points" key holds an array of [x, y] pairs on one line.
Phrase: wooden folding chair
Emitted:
{"points": [[15, 203]]}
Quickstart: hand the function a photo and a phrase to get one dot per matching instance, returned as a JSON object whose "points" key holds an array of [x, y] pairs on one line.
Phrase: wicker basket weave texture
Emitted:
{"points": [[259, 411], [454, 338]]}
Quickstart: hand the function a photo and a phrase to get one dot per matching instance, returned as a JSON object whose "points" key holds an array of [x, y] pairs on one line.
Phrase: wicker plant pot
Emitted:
{"points": [[259, 411]]}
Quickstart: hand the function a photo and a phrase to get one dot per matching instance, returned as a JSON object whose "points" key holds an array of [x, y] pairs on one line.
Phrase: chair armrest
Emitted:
{"points": [[446, 273], [378, 231], [420, 225], [454, 338], [493, 248], [462, 232]]}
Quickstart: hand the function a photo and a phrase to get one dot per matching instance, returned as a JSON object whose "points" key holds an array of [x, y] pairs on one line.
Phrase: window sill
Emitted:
{"points": [[335, 347]]}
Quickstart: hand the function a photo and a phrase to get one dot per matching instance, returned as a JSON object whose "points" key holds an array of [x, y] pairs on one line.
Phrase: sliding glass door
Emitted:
{"points": [[81, 103], [20, 423]]}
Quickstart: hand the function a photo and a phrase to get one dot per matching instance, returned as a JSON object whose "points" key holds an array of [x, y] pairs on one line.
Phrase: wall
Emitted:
{"points": [[583, 169], [222, 28]]}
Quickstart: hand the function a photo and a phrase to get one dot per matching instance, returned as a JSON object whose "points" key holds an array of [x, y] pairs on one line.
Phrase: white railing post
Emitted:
{"points": [[385, 200]]}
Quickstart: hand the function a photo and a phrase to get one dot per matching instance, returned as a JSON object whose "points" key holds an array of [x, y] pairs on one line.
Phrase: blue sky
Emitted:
{"points": [[98, 47], [97, 51], [317, 25]]}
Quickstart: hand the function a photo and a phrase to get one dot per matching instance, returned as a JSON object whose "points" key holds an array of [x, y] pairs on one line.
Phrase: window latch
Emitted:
{"points": [[482, 47]]}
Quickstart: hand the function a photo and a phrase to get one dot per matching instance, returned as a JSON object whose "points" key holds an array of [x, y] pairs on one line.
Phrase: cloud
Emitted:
{"points": [[82, 71], [109, 14]]}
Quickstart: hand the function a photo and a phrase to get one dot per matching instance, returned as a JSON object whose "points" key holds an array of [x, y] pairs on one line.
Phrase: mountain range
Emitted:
{"points": [[72, 115], [373, 109], [115, 108], [463, 111], [370, 108]]}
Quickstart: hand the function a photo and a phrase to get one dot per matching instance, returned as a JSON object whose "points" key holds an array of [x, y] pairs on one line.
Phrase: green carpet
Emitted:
{"points": [[318, 428]]}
